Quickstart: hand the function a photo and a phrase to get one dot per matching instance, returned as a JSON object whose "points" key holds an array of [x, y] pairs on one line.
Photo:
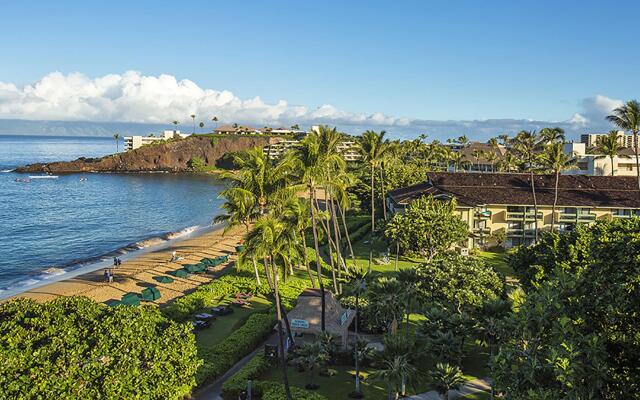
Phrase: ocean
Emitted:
{"points": [[51, 229]]}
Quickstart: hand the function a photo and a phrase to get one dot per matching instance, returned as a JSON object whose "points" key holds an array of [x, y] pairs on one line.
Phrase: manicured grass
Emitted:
{"points": [[224, 325], [361, 251], [499, 262], [340, 385]]}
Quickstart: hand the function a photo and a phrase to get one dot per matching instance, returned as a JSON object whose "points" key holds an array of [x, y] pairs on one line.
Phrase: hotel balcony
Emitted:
{"points": [[522, 216], [483, 215], [515, 232], [575, 218], [481, 231]]}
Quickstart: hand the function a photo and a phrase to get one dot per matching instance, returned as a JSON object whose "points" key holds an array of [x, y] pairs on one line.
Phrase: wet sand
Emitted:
{"points": [[137, 273]]}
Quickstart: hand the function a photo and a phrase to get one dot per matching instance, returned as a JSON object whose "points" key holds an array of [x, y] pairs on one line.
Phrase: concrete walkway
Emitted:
{"points": [[470, 387], [213, 390]]}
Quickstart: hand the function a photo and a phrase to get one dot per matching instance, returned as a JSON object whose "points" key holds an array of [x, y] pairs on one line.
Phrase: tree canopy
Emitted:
{"points": [[577, 334], [75, 348]]}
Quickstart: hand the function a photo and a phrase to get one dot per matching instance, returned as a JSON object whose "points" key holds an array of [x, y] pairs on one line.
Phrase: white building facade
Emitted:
{"points": [[135, 142]]}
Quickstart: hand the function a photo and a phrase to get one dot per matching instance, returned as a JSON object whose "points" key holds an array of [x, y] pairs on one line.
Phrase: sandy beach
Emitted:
{"points": [[137, 273]]}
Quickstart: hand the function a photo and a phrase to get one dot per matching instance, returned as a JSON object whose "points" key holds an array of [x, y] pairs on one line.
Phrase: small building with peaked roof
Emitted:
{"points": [[306, 316]]}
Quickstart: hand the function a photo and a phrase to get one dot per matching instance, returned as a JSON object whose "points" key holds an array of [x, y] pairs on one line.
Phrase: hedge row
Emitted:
{"points": [[221, 357], [210, 294], [265, 390]]}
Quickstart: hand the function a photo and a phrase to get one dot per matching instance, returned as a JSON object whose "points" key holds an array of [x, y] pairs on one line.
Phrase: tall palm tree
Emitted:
{"points": [[296, 214], [175, 125], [609, 146], [504, 139], [527, 145], [373, 148], [627, 118], [310, 166], [477, 154], [552, 135], [263, 239], [193, 117], [116, 137], [201, 125], [508, 163], [215, 120], [555, 160], [357, 285], [391, 370]]}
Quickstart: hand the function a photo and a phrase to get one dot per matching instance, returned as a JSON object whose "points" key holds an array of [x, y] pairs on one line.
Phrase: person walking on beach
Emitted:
{"points": [[106, 275]]}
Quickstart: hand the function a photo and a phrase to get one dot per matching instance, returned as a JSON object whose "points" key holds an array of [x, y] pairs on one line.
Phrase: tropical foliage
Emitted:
{"points": [[75, 348]]}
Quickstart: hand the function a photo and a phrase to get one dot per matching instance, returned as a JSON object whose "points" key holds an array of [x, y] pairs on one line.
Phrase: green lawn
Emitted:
{"points": [[224, 325], [361, 251], [340, 385], [499, 262]]}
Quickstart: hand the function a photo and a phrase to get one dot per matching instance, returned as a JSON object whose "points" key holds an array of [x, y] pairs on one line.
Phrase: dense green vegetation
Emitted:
{"points": [[576, 333], [74, 348]]}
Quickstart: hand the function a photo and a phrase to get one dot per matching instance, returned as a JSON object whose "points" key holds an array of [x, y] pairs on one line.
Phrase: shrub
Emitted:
{"points": [[238, 382], [219, 358], [75, 348], [275, 391], [361, 232]]}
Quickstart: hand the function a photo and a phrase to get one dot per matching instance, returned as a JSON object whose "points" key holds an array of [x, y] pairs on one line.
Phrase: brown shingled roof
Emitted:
{"points": [[473, 189]]}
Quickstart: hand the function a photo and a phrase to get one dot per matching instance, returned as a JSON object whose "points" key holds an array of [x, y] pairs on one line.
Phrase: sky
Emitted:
{"points": [[437, 67]]}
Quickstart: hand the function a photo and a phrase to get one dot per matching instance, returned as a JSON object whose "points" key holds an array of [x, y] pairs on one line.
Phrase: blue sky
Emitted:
{"points": [[420, 60]]}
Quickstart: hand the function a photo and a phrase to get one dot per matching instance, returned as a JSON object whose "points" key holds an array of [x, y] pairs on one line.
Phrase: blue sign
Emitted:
{"points": [[300, 323]]}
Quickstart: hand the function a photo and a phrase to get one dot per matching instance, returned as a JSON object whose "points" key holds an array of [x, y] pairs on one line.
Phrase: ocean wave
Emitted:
{"points": [[4, 171], [51, 272], [182, 232]]}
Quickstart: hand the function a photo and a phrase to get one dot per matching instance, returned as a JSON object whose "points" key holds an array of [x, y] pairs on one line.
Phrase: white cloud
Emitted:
{"points": [[135, 98]]}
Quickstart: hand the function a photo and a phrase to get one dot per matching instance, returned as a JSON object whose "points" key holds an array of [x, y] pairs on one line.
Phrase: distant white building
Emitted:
{"points": [[592, 139], [624, 164], [134, 142]]}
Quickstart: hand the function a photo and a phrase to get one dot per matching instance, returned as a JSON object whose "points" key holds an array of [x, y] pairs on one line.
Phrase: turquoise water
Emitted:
{"points": [[53, 228]]}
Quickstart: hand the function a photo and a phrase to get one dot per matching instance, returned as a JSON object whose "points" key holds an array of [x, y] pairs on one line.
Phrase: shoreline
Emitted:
{"points": [[139, 268]]}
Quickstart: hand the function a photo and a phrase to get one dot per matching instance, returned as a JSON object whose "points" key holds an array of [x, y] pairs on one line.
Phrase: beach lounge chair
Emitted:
{"points": [[163, 279], [181, 273], [130, 299], [151, 294]]}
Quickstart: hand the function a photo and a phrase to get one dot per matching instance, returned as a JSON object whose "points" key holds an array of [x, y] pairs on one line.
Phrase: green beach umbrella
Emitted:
{"points": [[163, 279]]}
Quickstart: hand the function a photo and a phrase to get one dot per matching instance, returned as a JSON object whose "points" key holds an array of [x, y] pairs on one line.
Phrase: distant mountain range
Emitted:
{"points": [[80, 128]]}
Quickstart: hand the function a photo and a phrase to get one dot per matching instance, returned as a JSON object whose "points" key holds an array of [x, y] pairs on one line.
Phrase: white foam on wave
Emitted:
{"points": [[182, 232], [4, 171], [149, 242], [51, 272]]}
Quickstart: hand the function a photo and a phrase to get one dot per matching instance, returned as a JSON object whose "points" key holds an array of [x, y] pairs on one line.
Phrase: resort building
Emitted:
{"points": [[348, 149], [498, 205], [134, 142], [591, 163], [480, 157], [592, 139], [236, 129]]}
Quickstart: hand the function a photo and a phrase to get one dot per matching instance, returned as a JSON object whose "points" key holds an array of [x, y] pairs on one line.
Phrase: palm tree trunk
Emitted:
{"points": [[282, 309], [635, 143], [306, 261], [373, 219], [346, 234], [330, 245], [612, 174], [255, 269], [356, 344], [384, 203], [267, 274], [397, 254], [555, 202], [535, 206], [312, 195], [283, 361], [338, 236]]}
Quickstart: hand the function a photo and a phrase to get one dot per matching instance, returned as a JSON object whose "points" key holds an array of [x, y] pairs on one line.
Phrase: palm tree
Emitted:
{"points": [[296, 214], [627, 118], [609, 146], [477, 154], [311, 357], [263, 240], [555, 160], [463, 140], [373, 148], [446, 377], [193, 117], [527, 145], [508, 163], [201, 125], [357, 285], [394, 230], [552, 135], [310, 165], [116, 137], [175, 125], [504, 139], [491, 158], [391, 371], [215, 120]]}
